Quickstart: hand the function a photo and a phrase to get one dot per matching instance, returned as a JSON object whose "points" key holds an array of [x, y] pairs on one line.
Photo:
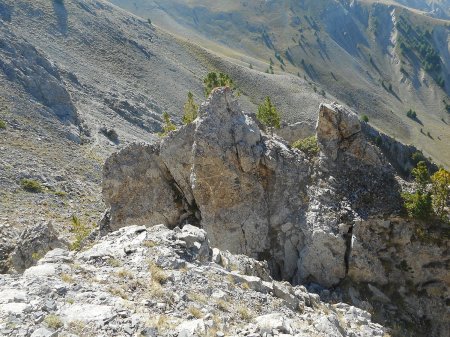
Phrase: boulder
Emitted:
{"points": [[139, 188], [339, 133], [34, 242]]}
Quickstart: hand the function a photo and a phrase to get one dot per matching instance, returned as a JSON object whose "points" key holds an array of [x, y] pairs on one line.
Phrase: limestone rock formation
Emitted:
{"points": [[139, 188], [251, 193], [314, 220], [339, 133]]}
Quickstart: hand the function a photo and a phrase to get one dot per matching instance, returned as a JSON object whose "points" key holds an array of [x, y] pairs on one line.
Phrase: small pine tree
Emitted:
{"points": [[190, 109], [421, 176], [419, 204], [268, 115], [214, 80], [441, 191], [168, 125], [365, 118]]}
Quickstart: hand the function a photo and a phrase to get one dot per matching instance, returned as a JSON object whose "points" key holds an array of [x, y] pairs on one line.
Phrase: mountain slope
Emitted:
{"points": [[74, 73], [350, 49]]}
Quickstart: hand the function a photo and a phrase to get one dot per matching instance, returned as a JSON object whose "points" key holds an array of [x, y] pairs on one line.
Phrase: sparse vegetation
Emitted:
{"points": [[158, 274], [197, 297], [378, 141], [190, 109], [156, 290], [125, 274], [81, 232], [447, 106], [308, 145], [417, 156], [150, 243], [114, 263], [117, 291], [36, 256], [441, 192], [419, 204], [31, 185], [268, 115], [168, 125], [195, 312], [244, 313], [66, 278], [215, 80], [223, 305], [162, 323], [111, 134], [420, 43], [2, 124], [365, 118], [53, 321]]}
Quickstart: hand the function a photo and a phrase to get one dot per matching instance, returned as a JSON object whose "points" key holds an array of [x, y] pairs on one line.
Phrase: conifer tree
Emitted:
{"points": [[268, 115], [190, 109]]}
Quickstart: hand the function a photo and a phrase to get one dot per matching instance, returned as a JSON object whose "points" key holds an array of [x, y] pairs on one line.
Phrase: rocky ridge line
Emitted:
{"points": [[155, 281]]}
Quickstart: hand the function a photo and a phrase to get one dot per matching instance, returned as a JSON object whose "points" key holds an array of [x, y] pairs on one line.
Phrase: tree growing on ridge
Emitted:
{"points": [[214, 80], [168, 125], [441, 192], [419, 204], [190, 109], [268, 115]]}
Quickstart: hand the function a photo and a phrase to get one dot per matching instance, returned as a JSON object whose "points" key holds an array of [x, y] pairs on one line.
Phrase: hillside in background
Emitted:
{"points": [[380, 58], [80, 79], [435, 8]]}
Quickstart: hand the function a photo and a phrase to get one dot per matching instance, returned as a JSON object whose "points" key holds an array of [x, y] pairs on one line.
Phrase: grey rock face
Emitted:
{"points": [[32, 244], [339, 133], [310, 219], [402, 265], [24, 65], [242, 185], [139, 188]]}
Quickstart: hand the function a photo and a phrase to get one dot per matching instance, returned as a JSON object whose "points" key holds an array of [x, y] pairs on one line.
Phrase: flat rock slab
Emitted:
{"points": [[13, 308], [44, 270], [13, 295], [87, 313]]}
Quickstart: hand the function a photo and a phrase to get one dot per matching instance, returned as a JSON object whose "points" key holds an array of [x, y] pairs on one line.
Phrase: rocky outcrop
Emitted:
{"points": [[161, 282], [314, 220], [241, 185], [403, 265], [252, 193], [339, 136]]}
